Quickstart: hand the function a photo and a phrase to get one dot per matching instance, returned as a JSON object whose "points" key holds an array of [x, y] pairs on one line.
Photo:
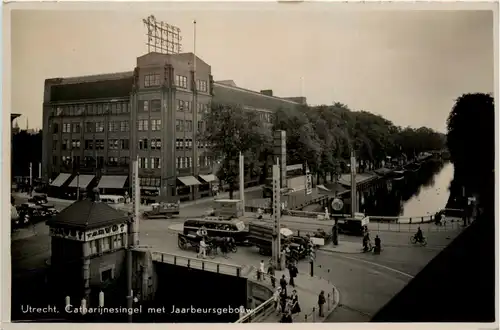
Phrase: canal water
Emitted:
{"points": [[420, 193]]}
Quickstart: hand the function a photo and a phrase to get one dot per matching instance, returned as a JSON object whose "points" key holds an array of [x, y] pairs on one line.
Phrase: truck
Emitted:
{"points": [[260, 234], [353, 226]]}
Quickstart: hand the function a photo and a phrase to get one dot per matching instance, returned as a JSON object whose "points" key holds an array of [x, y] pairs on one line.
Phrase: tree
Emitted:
{"points": [[230, 130], [471, 140]]}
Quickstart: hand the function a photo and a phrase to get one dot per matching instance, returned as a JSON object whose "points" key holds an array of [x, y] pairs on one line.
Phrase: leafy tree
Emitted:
{"points": [[230, 130], [471, 140]]}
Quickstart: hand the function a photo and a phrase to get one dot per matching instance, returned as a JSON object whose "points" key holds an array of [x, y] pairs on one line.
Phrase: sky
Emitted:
{"points": [[406, 65]]}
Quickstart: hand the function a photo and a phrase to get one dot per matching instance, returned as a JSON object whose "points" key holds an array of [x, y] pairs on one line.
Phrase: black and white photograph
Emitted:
{"points": [[250, 163]]}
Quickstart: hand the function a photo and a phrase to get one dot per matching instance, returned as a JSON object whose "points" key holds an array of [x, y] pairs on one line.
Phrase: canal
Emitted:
{"points": [[423, 192]]}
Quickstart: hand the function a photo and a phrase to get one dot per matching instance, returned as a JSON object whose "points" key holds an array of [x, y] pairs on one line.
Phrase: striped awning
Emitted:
{"points": [[189, 180], [60, 180], [82, 181], [112, 181]]}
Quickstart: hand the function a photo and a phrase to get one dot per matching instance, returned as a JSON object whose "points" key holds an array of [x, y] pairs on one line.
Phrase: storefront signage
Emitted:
{"points": [[105, 232], [90, 235]]}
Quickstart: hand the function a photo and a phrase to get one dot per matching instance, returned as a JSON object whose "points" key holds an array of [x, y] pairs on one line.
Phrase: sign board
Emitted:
{"points": [[308, 184], [337, 204], [89, 235]]}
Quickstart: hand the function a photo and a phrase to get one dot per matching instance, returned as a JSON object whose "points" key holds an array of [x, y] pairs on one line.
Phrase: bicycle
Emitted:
{"points": [[422, 241]]}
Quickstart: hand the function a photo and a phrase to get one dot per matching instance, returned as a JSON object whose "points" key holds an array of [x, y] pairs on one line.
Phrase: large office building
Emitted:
{"points": [[93, 126]]}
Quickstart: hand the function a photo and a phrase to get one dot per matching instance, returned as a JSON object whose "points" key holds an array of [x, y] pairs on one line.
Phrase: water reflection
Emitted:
{"points": [[419, 193]]}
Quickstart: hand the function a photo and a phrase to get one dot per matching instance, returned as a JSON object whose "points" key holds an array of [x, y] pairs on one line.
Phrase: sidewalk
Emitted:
{"points": [[308, 289], [343, 247]]}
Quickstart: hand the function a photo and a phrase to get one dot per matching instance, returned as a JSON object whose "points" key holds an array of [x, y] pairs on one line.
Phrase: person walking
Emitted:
{"points": [[321, 302], [260, 271], [283, 283], [203, 249], [271, 273], [295, 302], [292, 270]]}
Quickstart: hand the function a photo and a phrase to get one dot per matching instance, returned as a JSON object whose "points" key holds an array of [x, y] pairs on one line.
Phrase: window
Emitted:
{"points": [[179, 125], [66, 128], [179, 143], [75, 144], [209, 161], [124, 126], [124, 144], [143, 162], [202, 108], [156, 124], [180, 105], [75, 127], [65, 144], [189, 125], [152, 80], [124, 160], [181, 81], [113, 126], [113, 144], [55, 128], [142, 125], [189, 162], [143, 144], [100, 161], [89, 144], [187, 106], [113, 161], [66, 160], [89, 127], [188, 143], [99, 127], [200, 126], [201, 85], [144, 106], [99, 144], [155, 162], [76, 161], [156, 105], [155, 144], [199, 161], [117, 241], [106, 108], [93, 247], [106, 275]]}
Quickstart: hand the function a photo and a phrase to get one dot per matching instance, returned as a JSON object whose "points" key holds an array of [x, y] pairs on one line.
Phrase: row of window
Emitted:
{"points": [[153, 144], [123, 144], [183, 125], [188, 144], [152, 105], [89, 161], [187, 162], [92, 127], [149, 182], [149, 163], [91, 109], [143, 125], [106, 244]]}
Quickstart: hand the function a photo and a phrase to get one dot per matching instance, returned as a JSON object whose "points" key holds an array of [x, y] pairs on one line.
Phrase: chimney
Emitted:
{"points": [[268, 92]]}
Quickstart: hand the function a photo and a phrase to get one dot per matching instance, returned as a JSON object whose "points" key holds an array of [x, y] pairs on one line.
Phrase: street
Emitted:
{"points": [[366, 281]]}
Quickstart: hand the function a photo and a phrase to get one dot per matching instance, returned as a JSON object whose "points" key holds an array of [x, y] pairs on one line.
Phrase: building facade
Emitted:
{"points": [[95, 125]]}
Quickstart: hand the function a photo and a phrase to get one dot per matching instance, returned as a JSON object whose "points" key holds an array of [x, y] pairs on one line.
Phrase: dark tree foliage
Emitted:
{"points": [[471, 142]]}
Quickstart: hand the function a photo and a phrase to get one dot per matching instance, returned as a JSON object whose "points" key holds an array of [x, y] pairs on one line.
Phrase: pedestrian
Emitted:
{"points": [[271, 273], [203, 249], [286, 317], [443, 219], [292, 270], [283, 301], [276, 297], [321, 302], [283, 283], [260, 272], [295, 302]]}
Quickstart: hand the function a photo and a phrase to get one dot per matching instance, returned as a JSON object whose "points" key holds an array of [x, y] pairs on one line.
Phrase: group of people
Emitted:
{"points": [[367, 245], [287, 305], [226, 244]]}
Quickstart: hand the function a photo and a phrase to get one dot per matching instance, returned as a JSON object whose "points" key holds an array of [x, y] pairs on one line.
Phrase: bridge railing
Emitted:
{"points": [[262, 309], [195, 263]]}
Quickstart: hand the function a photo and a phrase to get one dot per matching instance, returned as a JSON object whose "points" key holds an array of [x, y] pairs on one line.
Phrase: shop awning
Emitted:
{"points": [[208, 177], [112, 181], [83, 180], [60, 180], [189, 180]]}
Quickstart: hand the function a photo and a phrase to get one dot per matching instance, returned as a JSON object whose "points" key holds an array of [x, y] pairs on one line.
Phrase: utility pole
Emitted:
{"points": [[354, 200], [31, 174], [242, 182], [39, 170], [276, 247], [133, 230]]}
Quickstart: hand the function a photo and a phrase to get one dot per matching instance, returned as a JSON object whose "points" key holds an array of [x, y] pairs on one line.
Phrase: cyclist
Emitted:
{"points": [[419, 236]]}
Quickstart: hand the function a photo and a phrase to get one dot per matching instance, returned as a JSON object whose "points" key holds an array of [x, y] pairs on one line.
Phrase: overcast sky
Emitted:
{"points": [[408, 66]]}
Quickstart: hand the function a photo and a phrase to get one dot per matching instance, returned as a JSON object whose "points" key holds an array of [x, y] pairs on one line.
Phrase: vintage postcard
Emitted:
{"points": [[250, 163]]}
